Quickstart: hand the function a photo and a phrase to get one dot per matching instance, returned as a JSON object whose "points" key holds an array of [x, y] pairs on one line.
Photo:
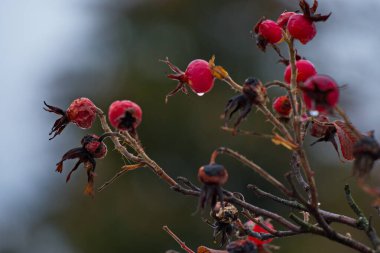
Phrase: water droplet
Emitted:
{"points": [[314, 113], [200, 94]]}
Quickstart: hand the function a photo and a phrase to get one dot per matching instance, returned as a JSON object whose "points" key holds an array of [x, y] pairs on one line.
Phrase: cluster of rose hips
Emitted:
{"points": [[320, 92], [123, 115]]}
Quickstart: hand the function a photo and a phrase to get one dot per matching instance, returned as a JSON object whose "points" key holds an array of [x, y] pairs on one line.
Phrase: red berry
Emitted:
{"points": [[81, 112], [302, 28], [282, 106], [282, 20], [125, 115], [256, 228], [199, 76], [93, 146], [320, 93], [305, 69], [270, 31]]}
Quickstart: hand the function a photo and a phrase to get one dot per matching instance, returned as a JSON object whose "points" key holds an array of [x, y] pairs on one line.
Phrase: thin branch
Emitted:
{"points": [[363, 222], [264, 174], [329, 216], [125, 169], [277, 83], [243, 132], [179, 241], [115, 139], [275, 122]]}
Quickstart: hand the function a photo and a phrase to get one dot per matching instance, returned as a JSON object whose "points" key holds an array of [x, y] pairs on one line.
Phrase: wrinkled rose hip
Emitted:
{"points": [[81, 112], [282, 106]]}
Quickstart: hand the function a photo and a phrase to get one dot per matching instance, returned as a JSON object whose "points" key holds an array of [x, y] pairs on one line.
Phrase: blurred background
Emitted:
{"points": [[106, 50]]}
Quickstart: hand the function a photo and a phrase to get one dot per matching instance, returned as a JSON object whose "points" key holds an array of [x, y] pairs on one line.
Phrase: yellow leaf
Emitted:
{"points": [[217, 71], [278, 140]]}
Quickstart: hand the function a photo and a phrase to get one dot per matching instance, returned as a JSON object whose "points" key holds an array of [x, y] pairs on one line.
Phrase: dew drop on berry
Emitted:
{"points": [[200, 94], [314, 113]]}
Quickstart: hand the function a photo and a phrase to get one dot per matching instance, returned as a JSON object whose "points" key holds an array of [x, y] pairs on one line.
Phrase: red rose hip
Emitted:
{"points": [[320, 93], [270, 31], [283, 19], [125, 115], [305, 70], [256, 228], [301, 28], [282, 106], [198, 77], [81, 112], [267, 31]]}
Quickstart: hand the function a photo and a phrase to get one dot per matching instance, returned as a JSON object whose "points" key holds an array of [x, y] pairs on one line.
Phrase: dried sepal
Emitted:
{"points": [[365, 151], [253, 93], [310, 12], [278, 140], [217, 71], [92, 147]]}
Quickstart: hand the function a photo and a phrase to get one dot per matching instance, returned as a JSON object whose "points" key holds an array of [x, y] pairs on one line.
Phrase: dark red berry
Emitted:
{"points": [[198, 77], [320, 93], [282, 20], [305, 70], [256, 228], [125, 115], [282, 106], [241, 246], [81, 112], [213, 176], [301, 28], [366, 151], [92, 147]]}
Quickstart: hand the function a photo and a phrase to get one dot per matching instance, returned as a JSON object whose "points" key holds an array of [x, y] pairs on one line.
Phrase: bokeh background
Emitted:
{"points": [[106, 50]]}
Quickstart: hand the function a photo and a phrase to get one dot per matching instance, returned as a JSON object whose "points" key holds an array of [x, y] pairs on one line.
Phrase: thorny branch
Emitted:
{"points": [[300, 168]]}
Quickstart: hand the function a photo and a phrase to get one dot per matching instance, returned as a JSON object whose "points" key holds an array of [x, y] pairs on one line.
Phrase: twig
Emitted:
{"points": [[115, 139], [142, 156], [362, 222], [275, 122], [125, 169], [243, 132], [329, 216], [179, 241], [277, 83], [250, 164]]}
